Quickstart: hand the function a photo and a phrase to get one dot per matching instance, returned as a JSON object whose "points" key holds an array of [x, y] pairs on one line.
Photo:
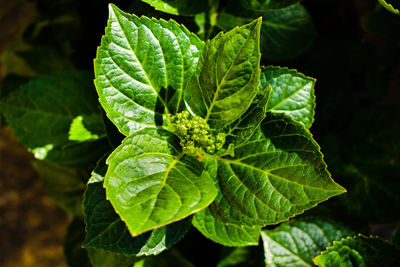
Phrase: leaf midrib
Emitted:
{"points": [[214, 101], [236, 162], [140, 63]]}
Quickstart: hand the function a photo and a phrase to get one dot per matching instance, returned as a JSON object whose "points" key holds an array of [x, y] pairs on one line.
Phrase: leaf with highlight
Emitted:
{"points": [[278, 173], [291, 93], [228, 76], [105, 229], [224, 233], [142, 68], [359, 251], [297, 242], [151, 183]]}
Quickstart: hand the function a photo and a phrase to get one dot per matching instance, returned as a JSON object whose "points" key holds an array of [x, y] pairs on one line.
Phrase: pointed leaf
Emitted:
{"points": [[179, 7], [389, 6], [228, 76], [291, 93], [359, 251], [275, 175], [224, 233], [297, 242], [142, 67], [151, 183], [105, 230], [267, 5]]}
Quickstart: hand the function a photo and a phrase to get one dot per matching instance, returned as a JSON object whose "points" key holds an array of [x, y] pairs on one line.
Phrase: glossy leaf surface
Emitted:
{"points": [[106, 231], [359, 251], [179, 7], [242, 129], [291, 93], [226, 234], [150, 183], [275, 175], [228, 76], [296, 243], [142, 68], [390, 5]]}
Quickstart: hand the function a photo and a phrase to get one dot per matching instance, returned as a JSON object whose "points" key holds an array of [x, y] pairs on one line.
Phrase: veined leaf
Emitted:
{"points": [[105, 230], [142, 68], [267, 5], [242, 129], [389, 6], [275, 175], [297, 242], [102, 258], [285, 33], [228, 76], [151, 183], [179, 7], [224, 233], [359, 251], [41, 112], [291, 93]]}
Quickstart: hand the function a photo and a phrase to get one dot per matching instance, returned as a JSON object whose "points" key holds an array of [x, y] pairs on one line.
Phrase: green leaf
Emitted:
{"points": [[41, 112], [224, 233], [297, 242], [102, 258], [151, 183], [179, 7], [242, 129], [228, 76], [142, 68], [105, 230], [285, 33], [291, 93], [267, 5], [78, 131], [64, 186], [359, 251], [389, 6], [74, 254], [275, 175]]}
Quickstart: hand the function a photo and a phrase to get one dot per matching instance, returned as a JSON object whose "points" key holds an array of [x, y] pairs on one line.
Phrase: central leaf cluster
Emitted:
{"points": [[194, 133]]}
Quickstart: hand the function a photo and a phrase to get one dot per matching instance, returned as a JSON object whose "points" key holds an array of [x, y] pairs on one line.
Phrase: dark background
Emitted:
{"points": [[355, 59]]}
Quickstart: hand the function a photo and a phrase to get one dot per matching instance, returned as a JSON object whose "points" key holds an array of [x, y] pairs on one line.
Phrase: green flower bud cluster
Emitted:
{"points": [[195, 132]]}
